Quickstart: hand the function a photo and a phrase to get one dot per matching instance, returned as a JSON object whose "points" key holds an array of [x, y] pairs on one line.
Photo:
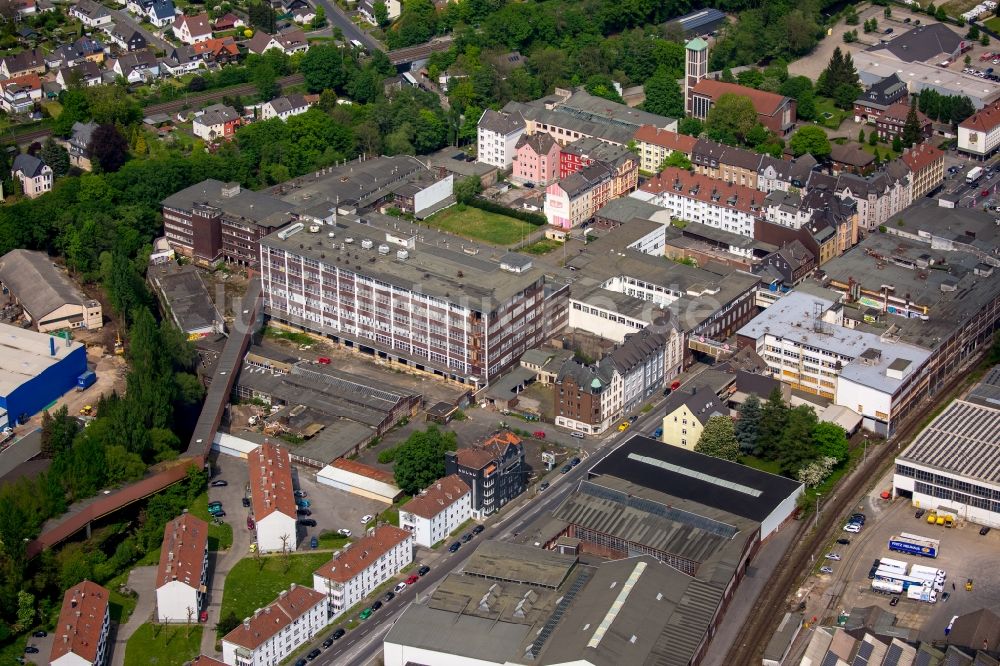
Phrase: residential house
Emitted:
{"points": [[826, 224], [219, 50], [641, 361], [775, 112], [90, 13], [136, 67], [182, 576], [80, 50], [229, 21], [78, 144], [288, 42], [926, 163], [437, 511], [498, 133], [778, 174], [696, 197], [216, 122], [25, 8], [85, 74], [656, 144], [192, 29], [181, 60], [536, 160], [587, 397], [367, 10], [364, 565], [574, 200], [284, 107], [34, 174], [80, 636], [160, 13], [892, 122], [495, 471], [272, 498], [29, 61], [792, 262], [278, 630], [722, 162], [126, 37], [304, 15], [978, 135], [880, 195], [879, 96], [19, 94], [686, 413], [851, 158]]}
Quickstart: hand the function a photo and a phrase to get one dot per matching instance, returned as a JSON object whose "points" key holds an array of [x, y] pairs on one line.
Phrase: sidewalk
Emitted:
{"points": [[219, 564], [142, 580]]}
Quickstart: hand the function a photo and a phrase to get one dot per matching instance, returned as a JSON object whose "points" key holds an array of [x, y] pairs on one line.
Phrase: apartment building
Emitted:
{"points": [[926, 164], [776, 174], [879, 97], [34, 175], [576, 198], [437, 511], [722, 162], [979, 134], [412, 296], [496, 137], [80, 636], [182, 576], [686, 413], [494, 470], [879, 196], [826, 224], [354, 572], [272, 498], [276, 631], [700, 198], [656, 144], [892, 122], [536, 160], [587, 397]]}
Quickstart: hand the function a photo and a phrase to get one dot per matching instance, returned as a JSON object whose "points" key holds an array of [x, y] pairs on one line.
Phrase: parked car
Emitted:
{"points": [[455, 546], [314, 543], [250, 523], [366, 613], [301, 662], [853, 528], [658, 433], [633, 419], [343, 531], [203, 617], [327, 643], [388, 596], [984, 531], [219, 483], [844, 542], [894, 601], [337, 635], [377, 605], [303, 503], [543, 486], [246, 502], [539, 434], [826, 570], [578, 435], [307, 522], [399, 587], [214, 505], [367, 518], [858, 518], [423, 571], [303, 512], [467, 537], [412, 579], [887, 31], [574, 462], [218, 513], [323, 360], [478, 529], [832, 556], [31, 649], [623, 426], [301, 493], [985, 193], [919, 514], [41, 633]]}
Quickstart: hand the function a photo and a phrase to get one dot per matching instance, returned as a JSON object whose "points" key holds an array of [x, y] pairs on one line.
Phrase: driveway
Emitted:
{"points": [[143, 581]]}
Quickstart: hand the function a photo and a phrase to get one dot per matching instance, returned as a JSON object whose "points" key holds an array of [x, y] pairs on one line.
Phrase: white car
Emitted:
{"points": [[853, 528], [833, 556], [399, 588], [367, 518], [826, 570], [343, 531]]}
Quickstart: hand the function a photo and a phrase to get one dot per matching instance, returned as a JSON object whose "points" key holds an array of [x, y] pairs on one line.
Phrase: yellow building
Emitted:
{"points": [[686, 414]]}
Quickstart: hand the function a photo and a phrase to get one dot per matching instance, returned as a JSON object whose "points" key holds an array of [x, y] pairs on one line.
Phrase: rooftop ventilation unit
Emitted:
{"points": [[285, 234]]}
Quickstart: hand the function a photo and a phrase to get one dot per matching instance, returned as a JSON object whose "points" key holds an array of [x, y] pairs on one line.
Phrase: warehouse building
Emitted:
{"points": [[49, 298], [35, 369], [954, 463], [187, 300]]}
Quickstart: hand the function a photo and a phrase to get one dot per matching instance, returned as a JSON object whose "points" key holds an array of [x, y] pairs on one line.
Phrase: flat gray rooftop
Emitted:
{"points": [[26, 354], [500, 560], [258, 207], [186, 296], [357, 183]]}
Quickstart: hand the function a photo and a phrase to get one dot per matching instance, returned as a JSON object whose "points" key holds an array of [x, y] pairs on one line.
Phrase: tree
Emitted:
{"points": [[262, 17], [266, 82], [381, 13], [718, 439], [601, 85], [664, 95], [55, 156], [227, 623], [795, 448], [968, 60], [839, 71], [690, 126], [108, 148], [751, 78], [941, 14], [773, 417], [420, 459], [830, 440], [25, 611], [814, 472], [727, 76], [319, 20], [861, 135], [984, 40], [845, 94], [676, 159], [748, 424], [930, 9], [322, 66], [58, 431], [731, 118], [810, 139], [873, 138], [468, 189], [973, 33], [887, 12], [897, 144]]}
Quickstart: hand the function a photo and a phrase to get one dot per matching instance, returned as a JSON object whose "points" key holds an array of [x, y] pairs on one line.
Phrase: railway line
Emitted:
{"points": [[771, 605]]}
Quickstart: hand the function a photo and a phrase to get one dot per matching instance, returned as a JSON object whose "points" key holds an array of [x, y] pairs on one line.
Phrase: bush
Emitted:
{"points": [[388, 456], [523, 215]]}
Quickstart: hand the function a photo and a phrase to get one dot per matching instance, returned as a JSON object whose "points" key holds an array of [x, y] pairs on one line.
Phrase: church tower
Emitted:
{"points": [[695, 68]]}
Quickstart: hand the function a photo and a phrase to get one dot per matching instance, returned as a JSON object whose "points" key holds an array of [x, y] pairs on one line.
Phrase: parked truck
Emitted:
{"points": [[86, 380], [974, 175]]}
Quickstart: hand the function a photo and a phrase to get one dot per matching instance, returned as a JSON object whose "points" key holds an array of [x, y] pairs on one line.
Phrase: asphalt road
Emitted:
{"points": [[336, 16]]}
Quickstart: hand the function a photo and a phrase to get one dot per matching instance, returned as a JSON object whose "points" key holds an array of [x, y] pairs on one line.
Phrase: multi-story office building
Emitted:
{"points": [[274, 632], [182, 576], [367, 563], [81, 634], [495, 471], [439, 509], [411, 296]]}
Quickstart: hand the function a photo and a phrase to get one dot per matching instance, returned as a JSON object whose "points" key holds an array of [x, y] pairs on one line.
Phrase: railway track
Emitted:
{"points": [[771, 605]]}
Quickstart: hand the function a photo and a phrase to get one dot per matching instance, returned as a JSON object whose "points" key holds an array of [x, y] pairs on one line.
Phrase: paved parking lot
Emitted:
{"points": [[963, 554], [332, 509]]}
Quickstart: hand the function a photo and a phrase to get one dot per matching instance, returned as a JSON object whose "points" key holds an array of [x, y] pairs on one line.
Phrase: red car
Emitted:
{"points": [[539, 434], [412, 579], [323, 360], [985, 193], [250, 524], [203, 617]]}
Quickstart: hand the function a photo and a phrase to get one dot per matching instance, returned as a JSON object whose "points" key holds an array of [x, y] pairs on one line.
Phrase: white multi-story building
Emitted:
{"points": [[273, 633], [497, 137], [183, 572], [979, 134], [34, 174], [439, 509], [272, 497], [699, 198], [80, 636], [367, 563], [880, 195], [284, 107]]}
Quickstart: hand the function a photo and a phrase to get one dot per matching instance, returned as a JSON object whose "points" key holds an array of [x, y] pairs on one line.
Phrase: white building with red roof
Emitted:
{"points": [[272, 497], [979, 134], [273, 633], [367, 563], [183, 572], [81, 634], [192, 29], [437, 511]]}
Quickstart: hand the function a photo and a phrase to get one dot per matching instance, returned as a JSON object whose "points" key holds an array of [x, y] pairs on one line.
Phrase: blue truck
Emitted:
{"points": [[86, 380]]}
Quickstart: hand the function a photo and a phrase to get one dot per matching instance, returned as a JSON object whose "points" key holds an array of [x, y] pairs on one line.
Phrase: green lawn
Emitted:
{"points": [[391, 515], [121, 607], [543, 246], [763, 465], [220, 537], [331, 540], [480, 225], [884, 150], [163, 645], [824, 106], [250, 585], [992, 23]]}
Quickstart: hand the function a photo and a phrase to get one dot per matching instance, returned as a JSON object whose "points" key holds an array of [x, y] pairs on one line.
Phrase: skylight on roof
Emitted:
{"points": [[617, 605], [707, 478]]}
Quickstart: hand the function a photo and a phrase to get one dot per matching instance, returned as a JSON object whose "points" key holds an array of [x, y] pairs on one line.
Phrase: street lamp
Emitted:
{"points": [[816, 523]]}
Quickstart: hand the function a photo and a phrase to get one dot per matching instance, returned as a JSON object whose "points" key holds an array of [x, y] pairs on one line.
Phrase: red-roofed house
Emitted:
{"points": [[275, 632], [367, 563], [228, 21], [202, 660], [192, 29], [19, 94], [699, 198], [183, 571], [893, 120], [656, 144], [438, 510], [272, 497], [495, 471], [219, 49], [979, 134], [775, 112], [926, 163], [80, 636]]}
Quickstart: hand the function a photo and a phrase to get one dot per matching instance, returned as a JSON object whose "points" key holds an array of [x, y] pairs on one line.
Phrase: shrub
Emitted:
{"points": [[523, 215]]}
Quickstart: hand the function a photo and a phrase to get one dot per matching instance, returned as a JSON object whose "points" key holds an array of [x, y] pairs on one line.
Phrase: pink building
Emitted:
{"points": [[536, 159]]}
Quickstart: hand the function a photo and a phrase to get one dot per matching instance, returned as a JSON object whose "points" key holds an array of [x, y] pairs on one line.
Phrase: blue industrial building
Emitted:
{"points": [[35, 370]]}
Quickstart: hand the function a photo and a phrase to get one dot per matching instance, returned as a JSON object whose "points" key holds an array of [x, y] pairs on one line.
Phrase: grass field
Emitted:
{"points": [[763, 465], [543, 246], [249, 587], [993, 23], [827, 114], [220, 537], [480, 225], [163, 645]]}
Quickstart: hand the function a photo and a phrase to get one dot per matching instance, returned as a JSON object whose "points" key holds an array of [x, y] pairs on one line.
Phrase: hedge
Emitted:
{"points": [[523, 215]]}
